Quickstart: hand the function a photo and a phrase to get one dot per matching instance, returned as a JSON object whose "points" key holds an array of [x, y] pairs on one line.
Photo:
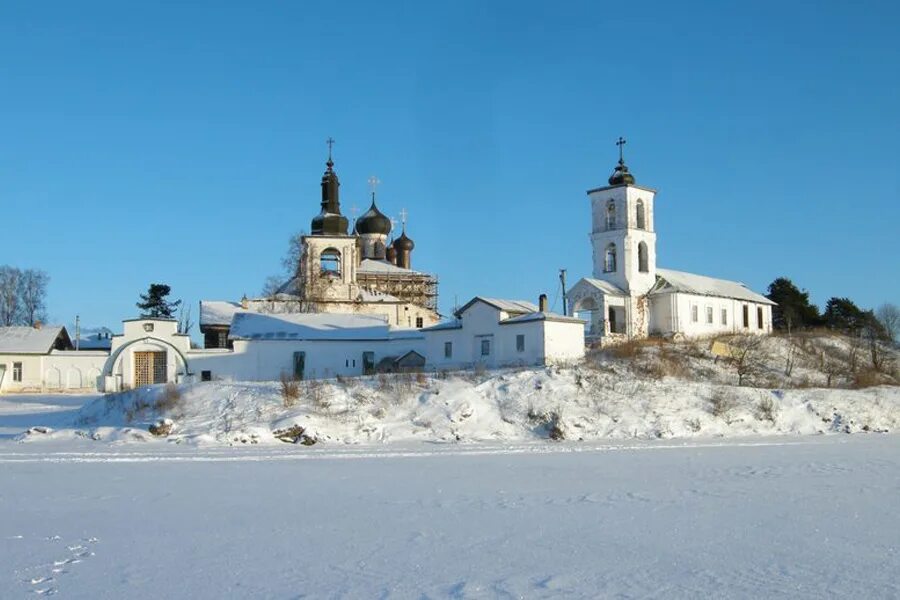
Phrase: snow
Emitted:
{"points": [[776, 518], [308, 326], [370, 265], [702, 285], [541, 316], [510, 306], [218, 312], [28, 340], [606, 287]]}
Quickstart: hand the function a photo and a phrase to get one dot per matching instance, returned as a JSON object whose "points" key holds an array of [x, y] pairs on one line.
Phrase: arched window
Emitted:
{"points": [[642, 258], [609, 261], [330, 262], [611, 214], [641, 221]]}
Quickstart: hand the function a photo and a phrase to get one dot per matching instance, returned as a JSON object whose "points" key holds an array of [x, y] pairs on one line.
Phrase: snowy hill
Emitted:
{"points": [[647, 391]]}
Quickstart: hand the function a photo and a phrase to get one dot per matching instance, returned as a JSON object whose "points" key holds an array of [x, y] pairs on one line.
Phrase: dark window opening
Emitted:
{"points": [[420, 322], [205, 375], [520, 343], [485, 347], [448, 349], [17, 372], [759, 317], [746, 316]]}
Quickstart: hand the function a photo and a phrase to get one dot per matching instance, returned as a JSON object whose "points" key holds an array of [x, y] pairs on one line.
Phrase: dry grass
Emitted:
{"points": [[290, 390], [722, 402]]}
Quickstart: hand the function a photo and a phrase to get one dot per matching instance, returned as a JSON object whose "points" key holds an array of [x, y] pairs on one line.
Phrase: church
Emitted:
{"points": [[629, 297], [343, 270]]}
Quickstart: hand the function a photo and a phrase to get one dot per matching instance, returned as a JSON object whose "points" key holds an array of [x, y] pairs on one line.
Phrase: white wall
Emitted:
{"points": [[57, 371], [673, 313], [545, 341], [266, 360]]}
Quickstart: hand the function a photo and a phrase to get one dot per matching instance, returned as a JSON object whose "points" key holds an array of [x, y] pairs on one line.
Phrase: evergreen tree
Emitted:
{"points": [[153, 304], [793, 309], [842, 314]]}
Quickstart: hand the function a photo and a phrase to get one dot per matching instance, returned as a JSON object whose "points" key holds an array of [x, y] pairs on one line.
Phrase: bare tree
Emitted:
{"points": [[746, 355], [10, 311], [185, 324], [889, 316], [271, 286], [291, 260], [33, 295]]}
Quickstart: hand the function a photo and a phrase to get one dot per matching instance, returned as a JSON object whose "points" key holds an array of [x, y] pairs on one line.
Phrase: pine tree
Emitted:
{"points": [[153, 304], [793, 309]]}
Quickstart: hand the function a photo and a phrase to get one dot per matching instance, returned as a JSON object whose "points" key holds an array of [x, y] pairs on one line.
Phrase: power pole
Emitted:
{"points": [[565, 299]]}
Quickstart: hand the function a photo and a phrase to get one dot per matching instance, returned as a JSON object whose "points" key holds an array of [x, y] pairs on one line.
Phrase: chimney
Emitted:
{"points": [[38, 324], [542, 303], [245, 303]]}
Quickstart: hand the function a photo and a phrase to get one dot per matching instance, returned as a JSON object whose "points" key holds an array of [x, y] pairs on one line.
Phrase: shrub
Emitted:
{"points": [[721, 402], [766, 410], [290, 390], [168, 399]]}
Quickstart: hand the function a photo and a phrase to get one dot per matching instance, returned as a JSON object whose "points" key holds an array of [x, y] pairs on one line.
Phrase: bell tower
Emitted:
{"points": [[623, 236]]}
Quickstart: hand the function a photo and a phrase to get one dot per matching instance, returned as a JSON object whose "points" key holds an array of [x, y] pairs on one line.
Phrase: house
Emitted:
{"points": [[42, 358], [629, 297], [497, 333]]}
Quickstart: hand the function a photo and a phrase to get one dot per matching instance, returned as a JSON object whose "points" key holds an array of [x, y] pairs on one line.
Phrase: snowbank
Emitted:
{"points": [[572, 403]]}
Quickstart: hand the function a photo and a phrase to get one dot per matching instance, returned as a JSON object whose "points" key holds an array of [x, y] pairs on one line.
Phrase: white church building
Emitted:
{"points": [[628, 296]]}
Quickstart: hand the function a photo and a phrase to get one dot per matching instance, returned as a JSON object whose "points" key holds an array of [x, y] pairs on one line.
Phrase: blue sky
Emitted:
{"points": [[183, 142]]}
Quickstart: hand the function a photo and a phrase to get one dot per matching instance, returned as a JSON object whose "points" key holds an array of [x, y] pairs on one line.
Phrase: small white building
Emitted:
{"points": [[42, 358], [498, 333], [629, 297]]}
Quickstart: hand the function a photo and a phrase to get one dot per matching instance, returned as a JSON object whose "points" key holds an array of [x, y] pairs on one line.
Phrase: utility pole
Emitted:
{"points": [[565, 299]]}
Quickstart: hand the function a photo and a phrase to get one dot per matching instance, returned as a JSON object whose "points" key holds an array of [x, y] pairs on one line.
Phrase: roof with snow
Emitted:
{"points": [[371, 265], [541, 316], [511, 306], [30, 340], [689, 283], [218, 312], [604, 286], [313, 326], [452, 324]]}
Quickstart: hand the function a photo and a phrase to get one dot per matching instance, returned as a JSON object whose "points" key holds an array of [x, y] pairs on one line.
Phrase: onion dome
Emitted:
{"points": [[621, 175], [403, 243], [330, 221], [373, 221]]}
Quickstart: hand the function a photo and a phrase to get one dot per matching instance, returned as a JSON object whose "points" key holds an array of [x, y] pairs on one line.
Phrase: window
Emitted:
{"points": [[485, 347], [746, 316], [520, 343], [642, 258], [694, 313], [299, 365], [709, 314], [420, 322], [641, 221], [205, 375], [724, 316], [759, 316], [609, 261], [17, 372], [611, 214], [330, 262], [448, 349]]}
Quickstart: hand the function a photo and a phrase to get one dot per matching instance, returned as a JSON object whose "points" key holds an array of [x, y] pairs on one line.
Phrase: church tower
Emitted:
{"points": [[623, 236], [329, 261]]}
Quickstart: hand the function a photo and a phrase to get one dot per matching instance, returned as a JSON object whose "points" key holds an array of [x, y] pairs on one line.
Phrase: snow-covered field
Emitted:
{"points": [[436, 487], [799, 517]]}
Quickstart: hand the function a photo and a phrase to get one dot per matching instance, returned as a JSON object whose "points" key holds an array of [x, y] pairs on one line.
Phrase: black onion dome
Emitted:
{"points": [[404, 243], [621, 175], [330, 221], [373, 221]]}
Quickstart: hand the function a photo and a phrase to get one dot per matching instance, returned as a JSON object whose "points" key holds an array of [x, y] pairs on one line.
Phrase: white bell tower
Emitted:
{"points": [[623, 236]]}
